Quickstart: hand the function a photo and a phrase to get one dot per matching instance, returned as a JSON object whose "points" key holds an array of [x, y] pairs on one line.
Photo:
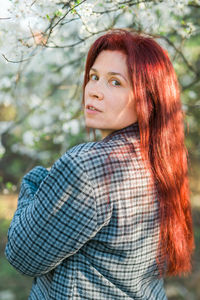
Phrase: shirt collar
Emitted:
{"points": [[131, 130]]}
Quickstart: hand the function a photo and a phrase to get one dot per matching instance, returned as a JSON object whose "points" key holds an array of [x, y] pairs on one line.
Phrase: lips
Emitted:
{"points": [[89, 105]]}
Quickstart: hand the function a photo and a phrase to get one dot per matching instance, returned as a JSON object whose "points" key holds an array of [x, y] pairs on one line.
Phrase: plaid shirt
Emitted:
{"points": [[88, 229]]}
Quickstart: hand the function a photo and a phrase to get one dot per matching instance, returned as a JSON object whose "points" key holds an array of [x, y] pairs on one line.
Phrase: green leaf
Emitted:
{"points": [[9, 186], [47, 16], [73, 11], [58, 13]]}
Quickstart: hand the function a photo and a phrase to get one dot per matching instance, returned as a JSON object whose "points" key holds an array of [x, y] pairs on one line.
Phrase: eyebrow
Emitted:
{"points": [[111, 73]]}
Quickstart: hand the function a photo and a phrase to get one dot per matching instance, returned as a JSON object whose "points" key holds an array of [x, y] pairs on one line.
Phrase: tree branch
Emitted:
{"points": [[33, 2], [8, 18], [191, 84], [14, 61], [52, 26], [190, 67], [130, 3]]}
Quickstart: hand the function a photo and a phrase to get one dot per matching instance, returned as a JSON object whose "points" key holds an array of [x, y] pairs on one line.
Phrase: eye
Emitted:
{"points": [[116, 82], [93, 76]]}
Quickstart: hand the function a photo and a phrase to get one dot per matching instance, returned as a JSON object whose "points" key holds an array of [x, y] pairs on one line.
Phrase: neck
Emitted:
{"points": [[106, 132]]}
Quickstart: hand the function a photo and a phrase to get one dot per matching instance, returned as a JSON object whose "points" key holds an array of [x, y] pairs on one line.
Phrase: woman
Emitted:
{"points": [[112, 218]]}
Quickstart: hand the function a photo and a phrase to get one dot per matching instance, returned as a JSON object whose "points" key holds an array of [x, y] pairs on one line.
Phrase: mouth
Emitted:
{"points": [[91, 108]]}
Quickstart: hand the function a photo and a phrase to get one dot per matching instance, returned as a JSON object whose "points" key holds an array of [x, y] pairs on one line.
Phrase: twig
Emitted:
{"points": [[122, 3], [51, 26], [180, 53], [194, 5], [66, 46], [33, 2], [195, 81], [12, 61], [5, 18]]}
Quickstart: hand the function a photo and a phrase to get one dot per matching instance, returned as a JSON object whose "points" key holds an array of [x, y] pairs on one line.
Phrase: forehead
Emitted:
{"points": [[111, 60]]}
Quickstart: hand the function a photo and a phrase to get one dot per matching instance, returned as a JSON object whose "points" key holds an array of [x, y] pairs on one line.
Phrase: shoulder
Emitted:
{"points": [[75, 157], [89, 149], [88, 157], [81, 149]]}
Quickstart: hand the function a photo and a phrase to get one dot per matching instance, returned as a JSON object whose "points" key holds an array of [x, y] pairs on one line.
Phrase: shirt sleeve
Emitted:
{"points": [[55, 217]]}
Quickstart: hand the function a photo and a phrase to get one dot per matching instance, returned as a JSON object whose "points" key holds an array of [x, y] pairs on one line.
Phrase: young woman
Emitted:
{"points": [[112, 217]]}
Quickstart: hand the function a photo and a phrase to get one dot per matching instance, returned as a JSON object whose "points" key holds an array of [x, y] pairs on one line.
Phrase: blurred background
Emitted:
{"points": [[43, 46]]}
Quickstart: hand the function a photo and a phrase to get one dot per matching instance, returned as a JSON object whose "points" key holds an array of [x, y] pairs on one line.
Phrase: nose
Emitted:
{"points": [[94, 93]]}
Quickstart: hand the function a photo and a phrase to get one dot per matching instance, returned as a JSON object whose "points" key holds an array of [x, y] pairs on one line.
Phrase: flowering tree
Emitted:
{"points": [[43, 50]]}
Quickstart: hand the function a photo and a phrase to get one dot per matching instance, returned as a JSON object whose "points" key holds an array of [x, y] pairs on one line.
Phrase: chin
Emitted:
{"points": [[91, 125]]}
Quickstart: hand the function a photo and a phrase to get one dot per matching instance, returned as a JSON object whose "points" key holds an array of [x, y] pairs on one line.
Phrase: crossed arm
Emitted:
{"points": [[55, 217]]}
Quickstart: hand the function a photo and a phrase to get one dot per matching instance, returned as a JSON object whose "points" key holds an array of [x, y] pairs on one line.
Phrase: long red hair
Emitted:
{"points": [[160, 119]]}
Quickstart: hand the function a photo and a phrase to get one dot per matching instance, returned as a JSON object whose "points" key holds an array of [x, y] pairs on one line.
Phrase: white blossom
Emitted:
{"points": [[74, 126], [2, 149], [58, 139], [5, 82], [192, 94], [28, 138]]}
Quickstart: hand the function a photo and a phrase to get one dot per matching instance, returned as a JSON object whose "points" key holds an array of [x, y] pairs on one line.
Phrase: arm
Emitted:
{"points": [[30, 184], [53, 221]]}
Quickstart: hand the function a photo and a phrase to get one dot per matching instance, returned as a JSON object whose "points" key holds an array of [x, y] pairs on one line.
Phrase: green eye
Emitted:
{"points": [[93, 76], [117, 83]]}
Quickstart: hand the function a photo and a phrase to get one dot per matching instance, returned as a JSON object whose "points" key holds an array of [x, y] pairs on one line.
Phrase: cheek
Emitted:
{"points": [[87, 88], [124, 103], [130, 100], [85, 93], [123, 99]]}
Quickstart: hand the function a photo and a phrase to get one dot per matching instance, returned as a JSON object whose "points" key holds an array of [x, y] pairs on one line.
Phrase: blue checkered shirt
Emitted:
{"points": [[88, 228]]}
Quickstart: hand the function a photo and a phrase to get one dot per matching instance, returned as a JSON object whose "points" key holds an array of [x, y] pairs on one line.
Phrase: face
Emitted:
{"points": [[109, 90]]}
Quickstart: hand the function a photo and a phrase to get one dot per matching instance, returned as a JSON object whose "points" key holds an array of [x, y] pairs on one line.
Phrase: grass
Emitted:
{"points": [[13, 281], [10, 280]]}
